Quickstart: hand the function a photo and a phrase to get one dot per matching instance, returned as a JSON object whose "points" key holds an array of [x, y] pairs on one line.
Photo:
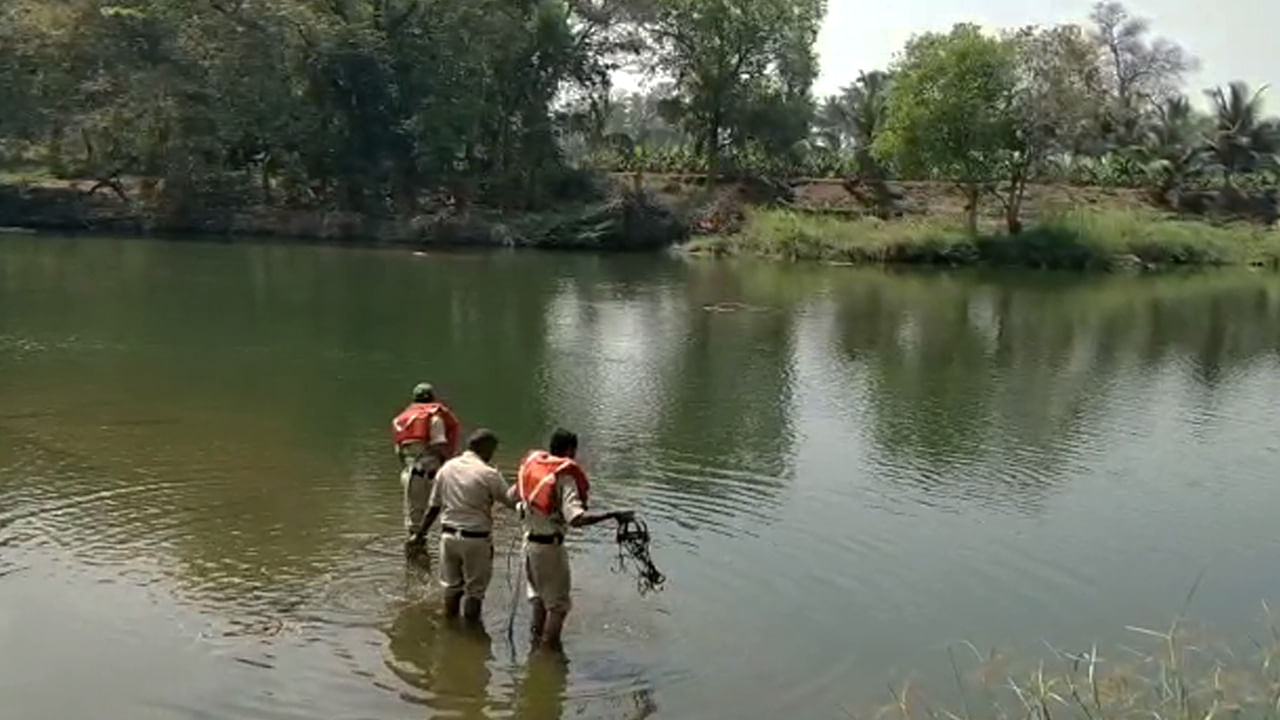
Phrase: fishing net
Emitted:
{"points": [[633, 556]]}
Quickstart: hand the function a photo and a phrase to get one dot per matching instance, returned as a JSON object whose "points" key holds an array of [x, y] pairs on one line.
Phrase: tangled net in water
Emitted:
{"points": [[633, 556]]}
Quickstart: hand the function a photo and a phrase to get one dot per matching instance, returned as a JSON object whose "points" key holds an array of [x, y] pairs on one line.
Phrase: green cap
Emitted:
{"points": [[423, 392]]}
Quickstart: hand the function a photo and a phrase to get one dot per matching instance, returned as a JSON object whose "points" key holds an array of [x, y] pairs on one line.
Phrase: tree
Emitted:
{"points": [[363, 104], [643, 118], [1241, 139], [950, 110], [1055, 102], [1140, 73], [734, 61], [855, 116], [1174, 142]]}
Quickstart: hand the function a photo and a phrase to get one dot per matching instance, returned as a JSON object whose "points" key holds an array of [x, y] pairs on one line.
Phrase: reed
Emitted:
{"points": [[1179, 673]]}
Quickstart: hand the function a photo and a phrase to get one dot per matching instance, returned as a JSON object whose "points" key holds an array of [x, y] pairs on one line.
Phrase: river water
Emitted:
{"points": [[846, 472]]}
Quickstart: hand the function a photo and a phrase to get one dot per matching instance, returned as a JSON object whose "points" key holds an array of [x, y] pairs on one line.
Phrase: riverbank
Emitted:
{"points": [[616, 220], [1104, 239], [1067, 227]]}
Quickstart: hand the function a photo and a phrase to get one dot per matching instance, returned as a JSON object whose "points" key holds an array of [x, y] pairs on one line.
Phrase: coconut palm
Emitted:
{"points": [[853, 118], [1241, 140], [1173, 144]]}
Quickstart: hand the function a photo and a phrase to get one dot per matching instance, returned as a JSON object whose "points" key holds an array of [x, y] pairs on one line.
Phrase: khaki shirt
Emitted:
{"points": [[568, 507], [465, 490]]}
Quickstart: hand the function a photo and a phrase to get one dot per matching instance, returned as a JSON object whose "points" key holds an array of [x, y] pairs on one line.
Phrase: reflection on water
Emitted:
{"points": [[445, 660], [844, 471]]}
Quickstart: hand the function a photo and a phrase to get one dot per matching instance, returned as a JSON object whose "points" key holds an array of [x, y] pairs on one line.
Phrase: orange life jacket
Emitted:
{"points": [[414, 425], [537, 480]]}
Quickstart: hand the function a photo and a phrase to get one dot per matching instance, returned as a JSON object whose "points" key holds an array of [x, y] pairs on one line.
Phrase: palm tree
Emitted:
{"points": [[1240, 141], [854, 117], [1174, 145], [831, 124], [1270, 147]]}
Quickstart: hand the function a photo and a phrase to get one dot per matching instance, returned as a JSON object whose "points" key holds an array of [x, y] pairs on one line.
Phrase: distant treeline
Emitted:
{"points": [[384, 106]]}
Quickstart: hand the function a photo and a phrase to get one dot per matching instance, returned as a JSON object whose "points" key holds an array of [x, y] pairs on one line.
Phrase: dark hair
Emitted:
{"points": [[562, 443], [480, 439]]}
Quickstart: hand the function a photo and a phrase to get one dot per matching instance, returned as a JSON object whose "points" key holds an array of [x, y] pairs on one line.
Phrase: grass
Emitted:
{"points": [[1106, 239], [1174, 674]]}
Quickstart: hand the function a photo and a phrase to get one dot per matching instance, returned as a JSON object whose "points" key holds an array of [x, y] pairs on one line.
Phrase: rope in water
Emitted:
{"points": [[633, 556]]}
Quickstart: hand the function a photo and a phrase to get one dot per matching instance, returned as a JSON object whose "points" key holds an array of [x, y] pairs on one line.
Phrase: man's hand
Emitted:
{"points": [[415, 551], [624, 516]]}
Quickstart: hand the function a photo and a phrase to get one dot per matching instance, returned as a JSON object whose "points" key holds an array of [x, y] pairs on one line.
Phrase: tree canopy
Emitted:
{"points": [[386, 106], [950, 110], [742, 69]]}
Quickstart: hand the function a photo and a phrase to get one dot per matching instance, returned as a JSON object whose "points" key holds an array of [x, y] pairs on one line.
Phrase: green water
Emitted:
{"points": [[845, 472]]}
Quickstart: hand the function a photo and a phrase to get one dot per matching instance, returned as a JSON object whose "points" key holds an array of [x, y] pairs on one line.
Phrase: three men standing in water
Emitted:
{"points": [[552, 492]]}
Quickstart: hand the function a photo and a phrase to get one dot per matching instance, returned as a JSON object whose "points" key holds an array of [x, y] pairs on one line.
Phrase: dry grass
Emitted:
{"points": [[1179, 673]]}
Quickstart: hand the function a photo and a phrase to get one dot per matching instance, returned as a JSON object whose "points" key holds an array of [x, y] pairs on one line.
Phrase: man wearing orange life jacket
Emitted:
{"points": [[425, 435], [554, 491]]}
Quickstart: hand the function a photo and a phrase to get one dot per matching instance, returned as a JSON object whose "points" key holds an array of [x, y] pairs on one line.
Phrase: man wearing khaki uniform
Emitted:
{"points": [[554, 491], [420, 462], [463, 496], [426, 435]]}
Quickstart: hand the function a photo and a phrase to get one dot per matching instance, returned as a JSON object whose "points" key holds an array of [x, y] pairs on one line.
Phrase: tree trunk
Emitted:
{"points": [[89, 155], [971, 207], [1013, 208], [266, 179], [713, 148], [1012, 217]]}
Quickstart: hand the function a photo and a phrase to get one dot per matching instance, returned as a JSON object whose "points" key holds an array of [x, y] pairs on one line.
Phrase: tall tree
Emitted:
{"points": [[854, 117], [950, 110], [734, 60], [644, 118], [1141, 72], [1174, 142], [1241, 139], [1055, 103]]}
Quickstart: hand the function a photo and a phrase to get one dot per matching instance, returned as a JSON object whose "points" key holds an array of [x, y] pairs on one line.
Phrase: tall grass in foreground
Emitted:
{"points": [[1181, 674], [1078, 240]]}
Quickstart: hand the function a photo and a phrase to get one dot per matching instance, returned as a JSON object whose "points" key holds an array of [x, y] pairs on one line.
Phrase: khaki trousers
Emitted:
{"points": [[417, 470], [547, 570], [466, 564]]}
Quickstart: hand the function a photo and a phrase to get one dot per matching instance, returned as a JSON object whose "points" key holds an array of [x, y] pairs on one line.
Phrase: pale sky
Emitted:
{"points": [[1234, 39]]}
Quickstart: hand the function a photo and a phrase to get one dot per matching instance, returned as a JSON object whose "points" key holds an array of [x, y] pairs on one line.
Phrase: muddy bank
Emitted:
{"points": [[624, 221]]}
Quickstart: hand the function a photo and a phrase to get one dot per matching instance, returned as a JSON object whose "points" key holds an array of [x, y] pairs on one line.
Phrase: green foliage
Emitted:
{"points": [[1076, 240], [1139, 72], [950, 109], [742, 69], [853, 120], [790, 235], [363, 104], [383, 106], [1241, 140]]}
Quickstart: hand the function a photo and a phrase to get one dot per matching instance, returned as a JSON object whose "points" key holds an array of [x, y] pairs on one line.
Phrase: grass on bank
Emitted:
{"points": [[1076, 240], [1180, 673]]}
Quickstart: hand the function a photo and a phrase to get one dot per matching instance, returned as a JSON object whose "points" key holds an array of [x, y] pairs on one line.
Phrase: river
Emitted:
{"points": [[846, 472]]}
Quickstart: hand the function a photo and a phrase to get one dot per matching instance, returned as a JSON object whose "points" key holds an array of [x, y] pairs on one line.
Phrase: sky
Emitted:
{"points": [[1234, 39]]}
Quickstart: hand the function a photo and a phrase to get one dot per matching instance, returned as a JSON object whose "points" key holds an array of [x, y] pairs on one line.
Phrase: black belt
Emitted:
{"points": [[469, 534], [546, 539]]}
